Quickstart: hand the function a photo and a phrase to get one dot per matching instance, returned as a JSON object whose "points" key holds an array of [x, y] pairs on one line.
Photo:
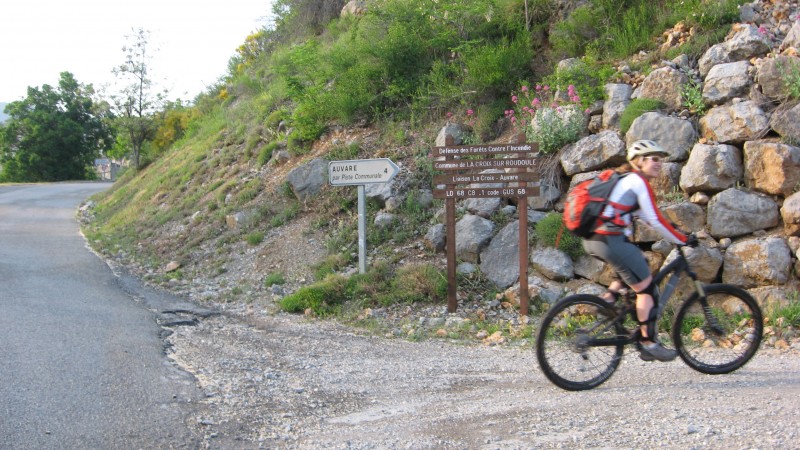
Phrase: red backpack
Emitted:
{"points": [[586, 202]]}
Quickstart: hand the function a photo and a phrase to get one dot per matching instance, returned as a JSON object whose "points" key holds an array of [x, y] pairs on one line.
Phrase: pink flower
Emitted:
{"points": [[762, 29], [524, 89], [538, 87], [449, 114], [469, 112], [514, 98], [546, 88], [535, 103], [571, 89], [587, 111]]}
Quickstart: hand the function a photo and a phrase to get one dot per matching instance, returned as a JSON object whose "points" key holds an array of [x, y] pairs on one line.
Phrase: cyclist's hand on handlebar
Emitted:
{"points": [[691, 241]]}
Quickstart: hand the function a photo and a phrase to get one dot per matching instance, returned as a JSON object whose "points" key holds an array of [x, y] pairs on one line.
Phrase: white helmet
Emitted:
{"points": [[645, 147]]}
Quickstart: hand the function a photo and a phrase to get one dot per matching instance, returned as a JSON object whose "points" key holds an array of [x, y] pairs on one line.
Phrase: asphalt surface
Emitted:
{"points": [[82, 359]]}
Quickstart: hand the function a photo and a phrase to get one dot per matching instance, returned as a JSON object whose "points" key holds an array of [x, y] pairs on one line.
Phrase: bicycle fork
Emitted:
{"points": [[711, 319]]}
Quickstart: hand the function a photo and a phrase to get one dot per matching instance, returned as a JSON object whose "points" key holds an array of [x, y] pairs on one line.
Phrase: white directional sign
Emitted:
{"points": [[361, 171]]}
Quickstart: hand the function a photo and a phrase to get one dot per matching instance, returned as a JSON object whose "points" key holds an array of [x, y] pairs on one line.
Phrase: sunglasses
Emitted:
{"points": [[654, 158]]}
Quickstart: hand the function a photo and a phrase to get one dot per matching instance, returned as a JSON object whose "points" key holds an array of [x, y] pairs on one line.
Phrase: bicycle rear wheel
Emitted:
{"points": [[719, 333], [578, 343]]}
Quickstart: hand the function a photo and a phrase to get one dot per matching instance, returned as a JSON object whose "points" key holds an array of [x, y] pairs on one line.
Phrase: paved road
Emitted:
{"points": [[82, 365]]}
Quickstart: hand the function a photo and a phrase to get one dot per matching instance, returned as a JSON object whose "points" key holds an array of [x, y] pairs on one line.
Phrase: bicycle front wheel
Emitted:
{"points": [[578, 343], [720, 332]]}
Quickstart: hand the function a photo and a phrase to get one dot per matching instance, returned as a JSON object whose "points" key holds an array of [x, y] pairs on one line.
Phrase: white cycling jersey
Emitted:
{"points": [[633, 195]]}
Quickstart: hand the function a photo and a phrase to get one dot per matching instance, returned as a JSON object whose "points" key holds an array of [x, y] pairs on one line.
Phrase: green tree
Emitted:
{"points": [[136, 104], [53, 135]]}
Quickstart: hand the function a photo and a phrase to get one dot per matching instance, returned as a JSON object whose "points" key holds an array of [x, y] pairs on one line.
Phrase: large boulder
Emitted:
{"points": [[453, 134], [686, 215], [618, 97], [744, 42], [307, 180], [473, 233], [354, 8], [757, 262], [552, 263], [711, 168], [704, 261], [500, 259], [785, 121], [725, 82], [790, 212], [771, 167], [772, 75], [734, 123], [593, 152], [436, 237], [665, 84], [483, 207], [673, 134], [735, 213]]}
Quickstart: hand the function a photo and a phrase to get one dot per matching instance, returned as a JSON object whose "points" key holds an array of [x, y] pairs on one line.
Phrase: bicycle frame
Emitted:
{"points": [[674, 270]]}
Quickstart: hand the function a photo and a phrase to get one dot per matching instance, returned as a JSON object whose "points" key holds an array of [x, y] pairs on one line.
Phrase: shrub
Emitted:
{"points": [[551, 122], [550, 228], [570, 36], [493, 68], [344, 152], [635, 109], [255, 238], [418, 283], [323, 298], [266, 153], [692, 96], [588, 77], [329, 265], [274, 278]]}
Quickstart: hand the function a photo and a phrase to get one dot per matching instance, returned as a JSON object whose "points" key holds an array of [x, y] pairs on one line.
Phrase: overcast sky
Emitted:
{"points": [[194, 40]]}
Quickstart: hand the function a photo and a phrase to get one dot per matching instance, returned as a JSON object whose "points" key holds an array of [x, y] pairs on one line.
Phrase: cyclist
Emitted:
{"points": [[633, 196]]}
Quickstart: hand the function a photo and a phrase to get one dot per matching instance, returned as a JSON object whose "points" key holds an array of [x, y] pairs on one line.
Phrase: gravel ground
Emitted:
{"points": [[290, 382]]}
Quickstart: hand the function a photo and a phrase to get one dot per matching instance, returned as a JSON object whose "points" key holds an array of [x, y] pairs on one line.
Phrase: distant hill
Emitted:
{"points": [[3, 116]]}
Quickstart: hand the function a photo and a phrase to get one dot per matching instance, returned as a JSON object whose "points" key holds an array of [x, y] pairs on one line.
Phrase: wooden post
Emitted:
{"points": [[470, 172]]}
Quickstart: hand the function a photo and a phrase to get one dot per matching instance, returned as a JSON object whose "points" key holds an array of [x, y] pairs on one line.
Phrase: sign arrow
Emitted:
{"points": [[361, 171]]}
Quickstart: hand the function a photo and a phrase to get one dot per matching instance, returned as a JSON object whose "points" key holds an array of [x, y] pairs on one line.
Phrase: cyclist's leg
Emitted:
{"points": [[645, 304], [612, 292], [629, 262], [603, 248]]}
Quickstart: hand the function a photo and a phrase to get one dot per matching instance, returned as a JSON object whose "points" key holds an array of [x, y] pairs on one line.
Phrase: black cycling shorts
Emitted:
{"points": [[624, 257]]}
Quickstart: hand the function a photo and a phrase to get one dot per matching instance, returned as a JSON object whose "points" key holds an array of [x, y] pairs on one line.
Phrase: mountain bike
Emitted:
{"points": [[717, 329]]}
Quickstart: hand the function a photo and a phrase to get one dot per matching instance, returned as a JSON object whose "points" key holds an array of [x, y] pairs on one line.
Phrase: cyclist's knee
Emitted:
{"points": [[642, 285], [648, 290]]}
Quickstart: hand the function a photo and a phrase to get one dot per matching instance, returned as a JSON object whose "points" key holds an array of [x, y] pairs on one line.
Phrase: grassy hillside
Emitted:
{"points": [[377, 85]]}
